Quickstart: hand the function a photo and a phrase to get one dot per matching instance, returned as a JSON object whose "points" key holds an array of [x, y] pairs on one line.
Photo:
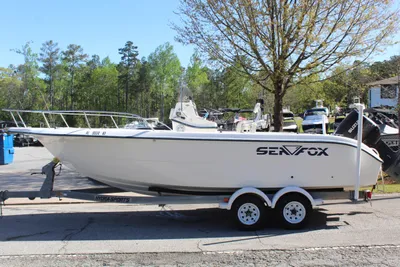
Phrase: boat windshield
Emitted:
{"points": [[185, 94], [288, 116], [316, 111], [147, 123]]}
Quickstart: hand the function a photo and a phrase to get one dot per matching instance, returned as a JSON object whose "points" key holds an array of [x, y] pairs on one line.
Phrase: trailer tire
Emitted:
{"points": [[294, 211], [249, 212]]}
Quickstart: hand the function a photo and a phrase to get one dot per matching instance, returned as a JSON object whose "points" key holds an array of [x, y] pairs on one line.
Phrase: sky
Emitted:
{"points": [[100, 27]]}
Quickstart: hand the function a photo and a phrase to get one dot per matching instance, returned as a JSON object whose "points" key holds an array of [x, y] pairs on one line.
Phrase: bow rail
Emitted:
{"points": [[86, 113]]}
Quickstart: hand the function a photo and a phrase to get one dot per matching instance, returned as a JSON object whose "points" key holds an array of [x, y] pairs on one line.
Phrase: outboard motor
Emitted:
{"points": [[391, 159], [371, 137], [349, 128]]}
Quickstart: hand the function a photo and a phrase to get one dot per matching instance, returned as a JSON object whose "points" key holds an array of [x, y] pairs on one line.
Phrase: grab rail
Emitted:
{"points": [[85, 113]]}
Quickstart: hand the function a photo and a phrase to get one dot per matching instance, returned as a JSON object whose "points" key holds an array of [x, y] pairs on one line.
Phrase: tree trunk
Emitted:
{"points": [[162, 106], [51, 89], [126, 94], [141, 103], [278, 107], [118, 100], [148, 102], [72, 91], [118, 97]]}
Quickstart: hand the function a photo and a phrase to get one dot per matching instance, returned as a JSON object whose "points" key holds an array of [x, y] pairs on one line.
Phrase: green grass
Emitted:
{"points": [[389, 188]]}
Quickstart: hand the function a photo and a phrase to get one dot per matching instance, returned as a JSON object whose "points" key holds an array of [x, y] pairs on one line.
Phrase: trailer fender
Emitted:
{"points": [[244, 191], [292, 189]]}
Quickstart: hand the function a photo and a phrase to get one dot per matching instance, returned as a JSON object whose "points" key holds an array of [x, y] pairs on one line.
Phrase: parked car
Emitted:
{"points": [[314, 119], [289, 124]]}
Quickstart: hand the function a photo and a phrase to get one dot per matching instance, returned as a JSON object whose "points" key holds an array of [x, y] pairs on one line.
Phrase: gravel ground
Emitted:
{"points": [[335, 256]]}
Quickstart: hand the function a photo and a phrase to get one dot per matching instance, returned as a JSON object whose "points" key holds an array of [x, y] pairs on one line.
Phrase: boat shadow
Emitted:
{"points": [[145, 225], [24, 181]]}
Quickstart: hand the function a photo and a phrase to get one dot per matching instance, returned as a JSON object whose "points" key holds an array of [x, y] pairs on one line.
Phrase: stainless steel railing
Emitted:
{"points": [[85, 113]]}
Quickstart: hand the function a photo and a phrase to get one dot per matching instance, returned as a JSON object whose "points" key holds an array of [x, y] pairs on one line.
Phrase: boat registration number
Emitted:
{"points": [[96, 133]]}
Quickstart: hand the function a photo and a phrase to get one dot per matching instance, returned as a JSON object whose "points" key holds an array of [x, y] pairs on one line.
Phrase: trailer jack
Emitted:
{"points": [[46, 189]]}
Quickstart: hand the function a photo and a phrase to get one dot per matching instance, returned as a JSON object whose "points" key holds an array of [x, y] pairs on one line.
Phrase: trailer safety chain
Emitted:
{"points": [[369, 199], [59, 172]]}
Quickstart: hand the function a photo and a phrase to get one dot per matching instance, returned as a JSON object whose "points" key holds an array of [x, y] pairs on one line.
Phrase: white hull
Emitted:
{"points": [[135, 160]]}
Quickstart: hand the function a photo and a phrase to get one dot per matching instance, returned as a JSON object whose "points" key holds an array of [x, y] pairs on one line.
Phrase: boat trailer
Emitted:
{"points": [[249, 206], [94, 194]]}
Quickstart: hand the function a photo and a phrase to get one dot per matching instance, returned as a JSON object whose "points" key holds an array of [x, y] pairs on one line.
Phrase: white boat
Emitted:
{"points": [[206, 162]]}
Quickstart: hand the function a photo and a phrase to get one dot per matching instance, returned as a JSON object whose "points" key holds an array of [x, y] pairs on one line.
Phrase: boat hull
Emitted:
{"points": [[212, 162]]}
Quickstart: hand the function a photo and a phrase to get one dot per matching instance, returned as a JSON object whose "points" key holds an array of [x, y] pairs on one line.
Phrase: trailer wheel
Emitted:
{"points": [[249, 212], [294, 211]]}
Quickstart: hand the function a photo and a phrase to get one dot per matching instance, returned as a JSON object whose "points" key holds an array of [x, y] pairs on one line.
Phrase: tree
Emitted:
{"points": [[214, 89], [236, 85], [128, 62], [385, 69], [73, 57], [29, 75], [144, 84], [94, 62], [30, 66], [10, 82], [50, 56], [285, 42], [31, 92], [196, 76], [302, 96], [104, 83], [166, 70]]}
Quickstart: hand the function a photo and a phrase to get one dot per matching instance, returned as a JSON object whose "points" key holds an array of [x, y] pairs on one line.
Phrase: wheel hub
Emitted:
{"points": [[248, 214], [294, 212]]}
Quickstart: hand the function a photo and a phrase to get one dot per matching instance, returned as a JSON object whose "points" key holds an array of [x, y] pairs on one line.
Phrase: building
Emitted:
{"points": [[384, 92]]}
